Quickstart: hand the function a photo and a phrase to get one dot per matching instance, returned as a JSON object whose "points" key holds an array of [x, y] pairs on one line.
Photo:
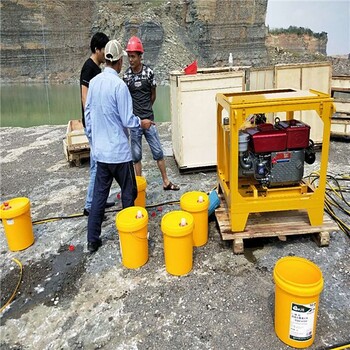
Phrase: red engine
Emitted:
{"points": [[283, 135], [274, 154]]}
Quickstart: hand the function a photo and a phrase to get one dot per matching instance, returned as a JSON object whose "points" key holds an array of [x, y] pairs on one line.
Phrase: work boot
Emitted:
{"points": [[93, 246]]}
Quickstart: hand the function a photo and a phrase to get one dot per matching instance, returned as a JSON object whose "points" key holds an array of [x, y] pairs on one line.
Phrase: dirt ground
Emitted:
{"points": [[69, 299]]}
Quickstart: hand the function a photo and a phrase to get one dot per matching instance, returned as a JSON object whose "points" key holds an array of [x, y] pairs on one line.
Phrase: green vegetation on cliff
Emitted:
{"points": [[298, 31]]}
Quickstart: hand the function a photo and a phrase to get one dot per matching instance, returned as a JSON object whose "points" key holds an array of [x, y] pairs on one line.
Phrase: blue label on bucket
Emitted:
{"points": [[302, 321]]}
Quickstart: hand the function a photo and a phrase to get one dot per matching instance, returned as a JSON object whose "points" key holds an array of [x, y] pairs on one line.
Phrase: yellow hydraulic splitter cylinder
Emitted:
{"points": [[244, 196]]}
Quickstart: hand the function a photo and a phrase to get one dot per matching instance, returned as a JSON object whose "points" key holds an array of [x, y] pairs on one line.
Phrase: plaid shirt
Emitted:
{"points": [[140, 86]]}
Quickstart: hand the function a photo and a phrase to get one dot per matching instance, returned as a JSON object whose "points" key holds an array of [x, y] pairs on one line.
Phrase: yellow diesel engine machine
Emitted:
{"points": [[260, 164]]}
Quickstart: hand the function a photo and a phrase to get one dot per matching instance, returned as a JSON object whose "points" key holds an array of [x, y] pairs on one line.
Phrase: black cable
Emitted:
{"points": [[337, 204], [332, 214], [339, 189], [56, 218], [334, 193]]}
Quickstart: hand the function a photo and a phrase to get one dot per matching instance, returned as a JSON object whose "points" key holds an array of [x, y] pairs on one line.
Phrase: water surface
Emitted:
{"points": [[42, 104]]}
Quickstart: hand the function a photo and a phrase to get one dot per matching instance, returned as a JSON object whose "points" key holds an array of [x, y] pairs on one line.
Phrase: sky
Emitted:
{"points": [[330, 16]]}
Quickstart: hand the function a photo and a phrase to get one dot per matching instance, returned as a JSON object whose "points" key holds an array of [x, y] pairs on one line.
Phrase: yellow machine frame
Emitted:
{"points": [[243, 197]]}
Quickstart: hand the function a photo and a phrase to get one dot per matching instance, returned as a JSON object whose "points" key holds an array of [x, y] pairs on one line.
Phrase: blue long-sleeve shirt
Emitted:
{"points": [[108, 115]]}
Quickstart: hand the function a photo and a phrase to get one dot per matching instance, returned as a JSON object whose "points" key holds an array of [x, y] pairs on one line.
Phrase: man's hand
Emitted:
{"points": [[146, 123]]}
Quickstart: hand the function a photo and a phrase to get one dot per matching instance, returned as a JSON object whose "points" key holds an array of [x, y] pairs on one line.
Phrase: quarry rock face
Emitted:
{"points": [[298, 43], [44, 41], [151, 35], [220, 27], [50, 40]]}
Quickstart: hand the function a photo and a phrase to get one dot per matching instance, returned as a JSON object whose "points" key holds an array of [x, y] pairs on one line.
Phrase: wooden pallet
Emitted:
{"points": [[272, 224], [75, 155]]}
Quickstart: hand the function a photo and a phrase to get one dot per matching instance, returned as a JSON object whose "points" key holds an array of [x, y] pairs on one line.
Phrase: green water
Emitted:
{"points": [[32, 105]]}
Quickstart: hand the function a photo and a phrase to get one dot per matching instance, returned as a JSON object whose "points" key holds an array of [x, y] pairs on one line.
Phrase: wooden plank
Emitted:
{"points": [[76, 145], [76, 155], [272, 224], [341, 82], [211, 70], [238, 246], [65, 150], [340, 135], [78, 148], [341, 118], [342, 106], [75, 134], [75, 124], [340, 127], [322, 238], [76, 138], [305, 76], [261, 78], [76, 158]]}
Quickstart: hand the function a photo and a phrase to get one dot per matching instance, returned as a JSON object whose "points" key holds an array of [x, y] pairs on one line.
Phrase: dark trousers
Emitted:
{"points": [[124, 174]]}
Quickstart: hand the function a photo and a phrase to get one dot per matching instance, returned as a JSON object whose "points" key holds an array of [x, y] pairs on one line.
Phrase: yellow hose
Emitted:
{"points": [[19, 282], [343, 347]]}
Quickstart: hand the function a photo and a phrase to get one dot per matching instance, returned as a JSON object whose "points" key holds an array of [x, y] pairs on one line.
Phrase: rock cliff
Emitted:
{"points": [[49, 40], [298, 43], [44, 40]]}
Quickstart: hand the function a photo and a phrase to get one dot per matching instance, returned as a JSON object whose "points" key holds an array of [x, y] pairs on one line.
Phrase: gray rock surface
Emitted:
{"points": [[74, 300]]}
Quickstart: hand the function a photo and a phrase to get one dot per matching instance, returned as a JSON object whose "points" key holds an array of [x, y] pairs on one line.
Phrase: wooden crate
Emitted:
{"points": [[305, 76], [341, 82], [193, 114], [76, 144], [75, 157], [272, 224], [75, 135], [340, 126]]}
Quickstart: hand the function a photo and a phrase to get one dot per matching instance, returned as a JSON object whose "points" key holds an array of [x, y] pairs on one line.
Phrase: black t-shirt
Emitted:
{"points": [[140, 86], [90, 69]]}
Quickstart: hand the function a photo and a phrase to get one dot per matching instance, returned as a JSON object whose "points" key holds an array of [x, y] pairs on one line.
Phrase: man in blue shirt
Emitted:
{"points": [[90, 69], [108, 116]]}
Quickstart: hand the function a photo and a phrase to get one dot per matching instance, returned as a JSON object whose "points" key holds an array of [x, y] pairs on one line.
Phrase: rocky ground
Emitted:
{"points": [[69, 299]]}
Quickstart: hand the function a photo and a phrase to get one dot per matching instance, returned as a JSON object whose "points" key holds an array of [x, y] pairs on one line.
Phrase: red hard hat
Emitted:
{"points": [[134, 44]]}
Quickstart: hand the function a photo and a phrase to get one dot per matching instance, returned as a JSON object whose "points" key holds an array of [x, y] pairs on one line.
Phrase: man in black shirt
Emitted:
{"points": [[90, 69]]}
